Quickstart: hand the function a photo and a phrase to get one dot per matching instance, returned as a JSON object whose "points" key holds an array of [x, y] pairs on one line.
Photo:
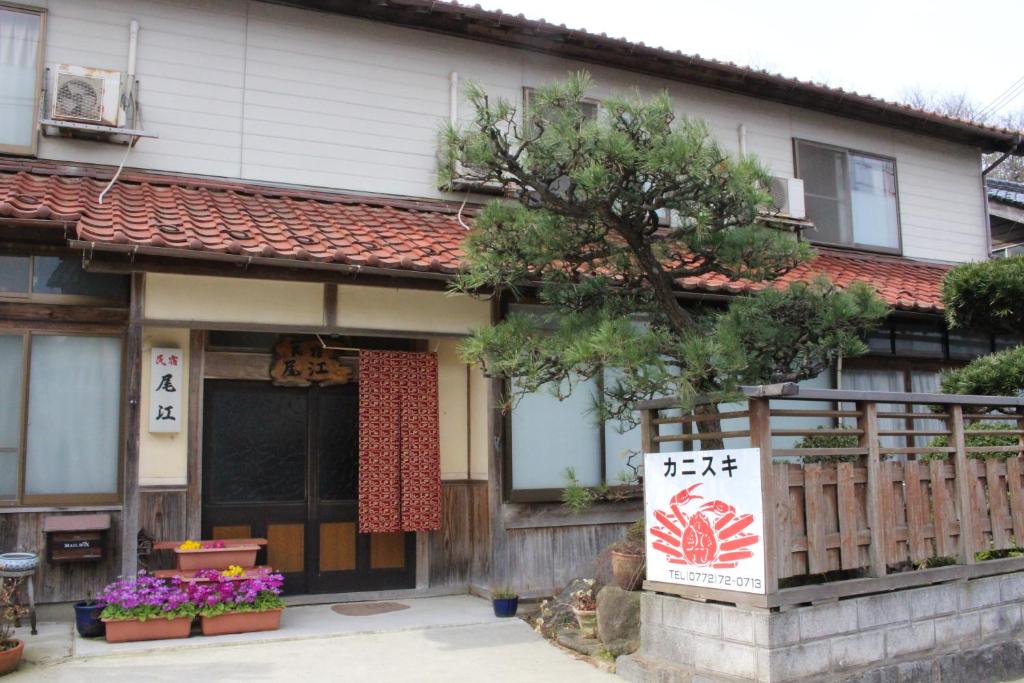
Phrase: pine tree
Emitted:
{"points": [[582, 231]]}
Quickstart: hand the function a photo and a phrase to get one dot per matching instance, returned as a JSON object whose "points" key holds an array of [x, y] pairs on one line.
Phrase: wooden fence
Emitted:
{"points": [[894, 505]]}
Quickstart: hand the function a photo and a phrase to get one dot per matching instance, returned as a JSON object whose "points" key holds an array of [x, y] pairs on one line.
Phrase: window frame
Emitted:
{"points": [[847, 151], [510, 494], [32, 148], [22, 499], [71, 299]]}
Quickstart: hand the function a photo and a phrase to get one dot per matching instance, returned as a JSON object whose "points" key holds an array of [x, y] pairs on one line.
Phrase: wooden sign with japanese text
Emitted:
{"points": [[703, 519], [165, 390], [301, 363]]}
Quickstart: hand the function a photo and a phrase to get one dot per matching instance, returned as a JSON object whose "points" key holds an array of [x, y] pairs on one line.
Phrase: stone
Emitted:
{"points": [[1000, 620], [879, 610], [907, 640], [859, 649], [979, 593], [958, 628], [697, 617], [557, 611], [800, 661], [822, 621], [571, 638], [932, 602], [618, 620]]}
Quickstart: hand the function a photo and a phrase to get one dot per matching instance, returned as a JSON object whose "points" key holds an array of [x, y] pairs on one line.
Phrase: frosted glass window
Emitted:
{"points": [[73, 415], [19, 70], [11, 373], [549, 435], [850, 197]]}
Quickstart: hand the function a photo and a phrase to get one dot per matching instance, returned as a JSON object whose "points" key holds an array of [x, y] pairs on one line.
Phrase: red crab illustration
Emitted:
{"points": [[704, 535]]}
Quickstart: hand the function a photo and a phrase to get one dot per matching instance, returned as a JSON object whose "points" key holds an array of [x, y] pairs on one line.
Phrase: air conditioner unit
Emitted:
{"points": [[83, 95], [788, 197]]}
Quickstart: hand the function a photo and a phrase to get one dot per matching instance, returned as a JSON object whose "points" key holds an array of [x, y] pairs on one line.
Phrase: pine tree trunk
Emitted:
{"points": [[711, 425]]}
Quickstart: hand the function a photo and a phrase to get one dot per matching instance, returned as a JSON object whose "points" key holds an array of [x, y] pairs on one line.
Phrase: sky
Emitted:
{"points": [[870, 46]]}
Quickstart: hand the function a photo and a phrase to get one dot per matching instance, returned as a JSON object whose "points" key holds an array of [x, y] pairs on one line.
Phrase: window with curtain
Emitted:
{"points": [[906, 377], [20, 59], [60, 439], [850, 196]]}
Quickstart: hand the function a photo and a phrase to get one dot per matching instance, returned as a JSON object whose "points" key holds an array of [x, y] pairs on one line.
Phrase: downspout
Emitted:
{"points": [[1017, 144]]}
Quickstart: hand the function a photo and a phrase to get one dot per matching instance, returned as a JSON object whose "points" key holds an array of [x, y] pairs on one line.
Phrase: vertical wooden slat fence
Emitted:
{"points": [[871, 516]]}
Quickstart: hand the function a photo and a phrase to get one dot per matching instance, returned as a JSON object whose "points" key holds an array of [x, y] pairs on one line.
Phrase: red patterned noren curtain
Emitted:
{"points": [[399, 443]]}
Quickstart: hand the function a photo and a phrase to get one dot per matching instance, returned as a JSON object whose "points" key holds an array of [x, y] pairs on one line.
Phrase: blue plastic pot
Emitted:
{"points": [[505, 607], [87, 619]]}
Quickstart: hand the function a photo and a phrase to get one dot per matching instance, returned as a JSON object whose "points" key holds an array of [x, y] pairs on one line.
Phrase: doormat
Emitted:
{"points": [[367, 609]]}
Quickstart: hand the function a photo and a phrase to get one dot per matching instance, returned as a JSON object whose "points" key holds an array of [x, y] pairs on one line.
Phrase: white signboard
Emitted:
{"points": [[165, 389], [703, 519]]}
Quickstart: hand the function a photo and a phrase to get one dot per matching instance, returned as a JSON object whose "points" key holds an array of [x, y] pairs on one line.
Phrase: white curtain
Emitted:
{"points": [[873, 197], [925, 383], [74, 404], [879, 380], [19, 50]]}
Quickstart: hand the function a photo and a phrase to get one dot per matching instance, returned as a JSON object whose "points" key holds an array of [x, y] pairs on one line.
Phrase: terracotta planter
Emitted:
{"points": [[243, 556], [126, 630], [628, 569], [11, 658], [241, 622], [587, 621]]}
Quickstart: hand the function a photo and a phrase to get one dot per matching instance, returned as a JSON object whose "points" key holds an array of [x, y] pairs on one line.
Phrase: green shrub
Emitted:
{"points": [[979, 440], [828, 441], [997, 374], [987, 295]]}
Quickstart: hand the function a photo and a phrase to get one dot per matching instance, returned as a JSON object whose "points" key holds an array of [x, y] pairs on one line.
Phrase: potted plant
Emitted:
{"points": [[11, 648], [87, 617], [146, 608], [629, 558], [505, 602], [195, 555], [236, 601], [584, 606]]}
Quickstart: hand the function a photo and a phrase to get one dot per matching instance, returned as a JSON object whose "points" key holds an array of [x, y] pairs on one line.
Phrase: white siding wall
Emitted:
{"points": [[262, 92]]}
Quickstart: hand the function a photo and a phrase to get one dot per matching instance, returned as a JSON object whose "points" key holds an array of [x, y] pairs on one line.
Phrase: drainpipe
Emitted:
{"points": [[1017, 145], [741, 132]]}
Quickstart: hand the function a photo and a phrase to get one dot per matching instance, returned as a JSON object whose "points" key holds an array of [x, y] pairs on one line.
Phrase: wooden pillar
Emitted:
{"points": [[761, 437], [868, 423], [194, 490], [496, 475], [970, 534], [648, 431], [132, 426]]}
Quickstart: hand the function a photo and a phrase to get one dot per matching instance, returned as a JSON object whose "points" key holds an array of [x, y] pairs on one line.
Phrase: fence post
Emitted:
{"points": [[648, 430], [761, 437], [868, 422], [964, 486]]}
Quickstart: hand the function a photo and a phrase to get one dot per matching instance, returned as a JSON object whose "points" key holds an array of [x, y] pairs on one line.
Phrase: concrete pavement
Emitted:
{"points": [[452, 640]]}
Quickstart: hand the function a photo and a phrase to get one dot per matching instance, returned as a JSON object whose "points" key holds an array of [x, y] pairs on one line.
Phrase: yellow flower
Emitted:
{"points": [[190, 545], [233, 570]]}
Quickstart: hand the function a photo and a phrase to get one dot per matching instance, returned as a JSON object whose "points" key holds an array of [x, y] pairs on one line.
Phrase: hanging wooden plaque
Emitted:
{"points": [[301, 363]]}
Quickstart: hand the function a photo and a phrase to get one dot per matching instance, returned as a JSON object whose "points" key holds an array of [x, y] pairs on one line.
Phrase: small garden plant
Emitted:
{"points": [[224, 592], [146, 597], [10, 612]]}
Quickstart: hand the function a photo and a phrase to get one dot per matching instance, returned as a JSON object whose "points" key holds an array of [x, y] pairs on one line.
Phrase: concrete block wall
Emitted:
{"points": [[943, 632]]}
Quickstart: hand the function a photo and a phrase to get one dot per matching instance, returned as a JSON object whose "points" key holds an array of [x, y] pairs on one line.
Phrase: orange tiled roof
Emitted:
{"points": [[189, 214]]}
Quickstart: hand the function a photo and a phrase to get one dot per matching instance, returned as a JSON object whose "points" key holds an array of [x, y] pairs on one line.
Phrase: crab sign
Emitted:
{"points": [[702, 533]]}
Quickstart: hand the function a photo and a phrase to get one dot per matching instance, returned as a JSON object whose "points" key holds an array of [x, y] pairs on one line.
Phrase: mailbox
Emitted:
{"points": [[76, 538]]}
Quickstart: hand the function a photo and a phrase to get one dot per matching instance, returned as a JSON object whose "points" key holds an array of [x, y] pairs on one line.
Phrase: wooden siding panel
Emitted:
{"points": [[277, 94]]}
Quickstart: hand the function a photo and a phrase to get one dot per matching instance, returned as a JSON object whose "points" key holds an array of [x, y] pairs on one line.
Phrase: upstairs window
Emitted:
{"points": [[588, 107], [21, 71], [851, 196], [58, 278]]}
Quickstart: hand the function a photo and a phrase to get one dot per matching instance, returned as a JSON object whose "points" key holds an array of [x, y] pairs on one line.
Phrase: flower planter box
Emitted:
{"points": [[126, 630], [241, 622], [216, 558]]}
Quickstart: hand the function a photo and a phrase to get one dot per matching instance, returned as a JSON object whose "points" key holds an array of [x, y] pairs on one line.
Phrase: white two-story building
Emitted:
{"points": [[205, 180]]}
